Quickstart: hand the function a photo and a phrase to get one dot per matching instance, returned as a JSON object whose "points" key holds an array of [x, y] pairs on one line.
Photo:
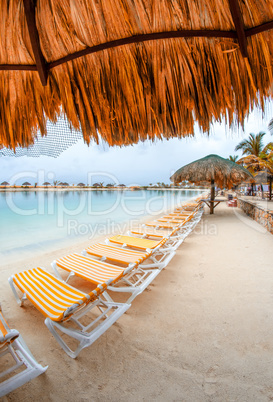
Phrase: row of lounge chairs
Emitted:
{"points": [[124, 264]]}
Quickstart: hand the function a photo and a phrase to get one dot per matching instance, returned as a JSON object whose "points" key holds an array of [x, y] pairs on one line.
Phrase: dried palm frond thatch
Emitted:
{"points": [[223, 172], [129, 70], [214, 169]]}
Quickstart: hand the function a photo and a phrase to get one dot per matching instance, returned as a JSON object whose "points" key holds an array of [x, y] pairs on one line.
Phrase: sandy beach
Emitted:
{"points": [[202, 331]]}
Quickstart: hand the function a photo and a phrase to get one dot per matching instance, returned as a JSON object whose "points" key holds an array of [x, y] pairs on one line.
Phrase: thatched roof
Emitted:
{"points": [[26, 183], [4, 183], [263, 177], [131, 70], [223, 172]]}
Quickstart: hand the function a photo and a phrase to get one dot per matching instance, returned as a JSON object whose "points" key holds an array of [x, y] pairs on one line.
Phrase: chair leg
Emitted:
{"points": [[19, 300], [22, 357], [104, 321]]}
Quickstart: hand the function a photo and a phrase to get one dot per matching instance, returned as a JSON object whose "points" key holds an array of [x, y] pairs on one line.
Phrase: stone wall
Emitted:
{"points": [[261, 215]]}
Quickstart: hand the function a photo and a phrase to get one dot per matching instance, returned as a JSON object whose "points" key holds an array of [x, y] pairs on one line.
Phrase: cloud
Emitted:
{"points": [[142, 163]]}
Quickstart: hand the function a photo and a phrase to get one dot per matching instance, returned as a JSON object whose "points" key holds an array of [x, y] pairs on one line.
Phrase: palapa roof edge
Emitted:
{"points": [[101, 65], [224, 172]]}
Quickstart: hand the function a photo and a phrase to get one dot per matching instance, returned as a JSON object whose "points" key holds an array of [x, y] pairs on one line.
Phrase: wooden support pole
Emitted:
{"points": [[35, 42], [141, 38], [212, 197], [239, 25]]}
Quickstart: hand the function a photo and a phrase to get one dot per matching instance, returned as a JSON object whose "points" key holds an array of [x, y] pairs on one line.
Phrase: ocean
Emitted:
{"points": [[43, 221]]}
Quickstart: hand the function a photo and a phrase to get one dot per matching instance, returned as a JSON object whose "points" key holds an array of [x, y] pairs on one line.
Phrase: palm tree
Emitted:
{"points": [[233, 158], [253, 145], [256, 164], [257, 156]]}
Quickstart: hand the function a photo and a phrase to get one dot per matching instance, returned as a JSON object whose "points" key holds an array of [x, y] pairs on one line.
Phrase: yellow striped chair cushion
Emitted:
{"points": [[7, 335], [162, 225], [161, 233], [181, 211], [90, 269], [49, 295], [3, 328], [176, 217], [117, 254], [190, 207], [170, 220], [137, 242]]}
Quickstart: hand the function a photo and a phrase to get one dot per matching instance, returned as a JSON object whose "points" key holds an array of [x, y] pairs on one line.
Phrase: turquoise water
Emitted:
{"points": [[43, 221]]}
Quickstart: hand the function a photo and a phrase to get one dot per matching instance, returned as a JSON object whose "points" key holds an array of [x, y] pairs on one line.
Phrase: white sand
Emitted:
{"points": [[201, 332]]}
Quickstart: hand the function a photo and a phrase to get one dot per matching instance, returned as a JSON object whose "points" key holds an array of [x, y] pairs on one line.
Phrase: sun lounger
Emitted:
{"points": [[179, 218], [135, 242], [174, 238], [175, 217], [116, 254], [64, 306], [177, 232], [183, 214], [151, 258], [152, 232], [162, 249], [169, 220], [162, 246], [163, 225], [133, 279], [18, 366], [193, 206]]}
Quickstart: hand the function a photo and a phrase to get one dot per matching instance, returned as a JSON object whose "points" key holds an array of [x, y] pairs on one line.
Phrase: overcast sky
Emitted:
{"points": [[142, 164]]}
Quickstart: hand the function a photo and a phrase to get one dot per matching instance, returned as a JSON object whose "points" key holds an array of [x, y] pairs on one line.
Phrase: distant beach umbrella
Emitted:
{"points": [[26, 183], [65, 184], [4, 183], [212, 169], [46, 183], [80, 185]]}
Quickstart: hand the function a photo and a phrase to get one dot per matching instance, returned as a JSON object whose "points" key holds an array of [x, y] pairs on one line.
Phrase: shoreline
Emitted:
{"points": [[72, 188], [76, 244]]}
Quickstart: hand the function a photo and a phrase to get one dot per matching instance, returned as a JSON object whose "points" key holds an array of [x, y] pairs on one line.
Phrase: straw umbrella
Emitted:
{"points": [[125, 71], [265, 177], [214, 169], [5, 183]]}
